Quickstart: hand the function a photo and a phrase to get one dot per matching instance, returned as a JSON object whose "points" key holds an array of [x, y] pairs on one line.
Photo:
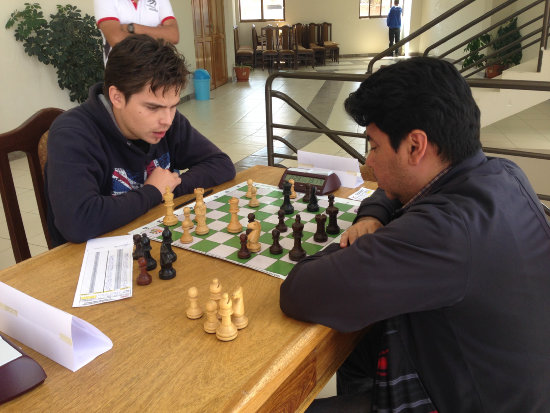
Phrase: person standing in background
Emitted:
{"points": [[393, 21], [118, 19]]}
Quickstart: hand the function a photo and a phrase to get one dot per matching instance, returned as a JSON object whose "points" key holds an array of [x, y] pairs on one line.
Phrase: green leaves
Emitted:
{"points": [[70, 42]]}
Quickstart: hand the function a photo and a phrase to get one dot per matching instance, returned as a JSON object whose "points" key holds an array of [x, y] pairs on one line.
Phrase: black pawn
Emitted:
{"points": [[312, 205], [307, 194], [138, 251], [146, 248], [167, 272], [297, 252], [332, 212], [281, 226], [287, 206], [243, 253], [167, 240], [276, 248], [320, 235]]}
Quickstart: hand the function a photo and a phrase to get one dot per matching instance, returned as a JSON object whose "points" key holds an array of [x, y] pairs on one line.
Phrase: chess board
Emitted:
{"points": [[219, 243]]}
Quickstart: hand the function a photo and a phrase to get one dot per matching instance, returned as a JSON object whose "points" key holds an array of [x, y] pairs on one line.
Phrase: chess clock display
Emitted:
{"points": [[325, 181]]}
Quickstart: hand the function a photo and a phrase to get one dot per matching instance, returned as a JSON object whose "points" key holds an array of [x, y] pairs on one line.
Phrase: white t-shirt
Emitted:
{"points": [[144, 12]]}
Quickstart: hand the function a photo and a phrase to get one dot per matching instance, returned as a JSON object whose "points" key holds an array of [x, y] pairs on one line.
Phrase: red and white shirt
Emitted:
{"points": [[144, 12]]}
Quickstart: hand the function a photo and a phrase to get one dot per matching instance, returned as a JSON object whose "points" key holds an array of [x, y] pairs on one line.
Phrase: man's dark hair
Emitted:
{"points": [[140, 60], [420, 93]]}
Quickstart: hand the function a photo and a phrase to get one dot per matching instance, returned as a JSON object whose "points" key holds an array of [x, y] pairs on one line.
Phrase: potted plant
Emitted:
{"points": [[242, 72], [70, 42], [505, 57]]}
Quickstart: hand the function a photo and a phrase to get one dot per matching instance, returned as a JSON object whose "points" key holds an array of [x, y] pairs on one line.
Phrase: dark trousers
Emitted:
{"points": [[354, 378], [394, 38]]}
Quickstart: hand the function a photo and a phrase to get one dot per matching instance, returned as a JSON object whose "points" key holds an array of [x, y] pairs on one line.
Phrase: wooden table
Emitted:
{"points": [[161, 360]]}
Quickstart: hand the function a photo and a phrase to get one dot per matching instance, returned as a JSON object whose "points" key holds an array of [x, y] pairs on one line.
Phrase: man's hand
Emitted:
{"points": [[161, 178], [365, 225]]}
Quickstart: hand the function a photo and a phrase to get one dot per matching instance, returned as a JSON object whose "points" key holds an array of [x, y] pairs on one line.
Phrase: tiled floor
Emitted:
{"points": [[234, 119]]}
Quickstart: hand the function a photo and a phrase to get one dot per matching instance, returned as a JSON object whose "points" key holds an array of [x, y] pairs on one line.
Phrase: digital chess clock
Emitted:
{"points": [[325, 181]]}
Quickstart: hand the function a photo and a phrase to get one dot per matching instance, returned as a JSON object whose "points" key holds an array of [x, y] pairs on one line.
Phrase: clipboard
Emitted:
{"points": [[18, 375]]}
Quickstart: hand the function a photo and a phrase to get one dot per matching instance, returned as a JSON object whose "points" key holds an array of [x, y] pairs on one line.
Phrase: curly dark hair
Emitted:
{"points": [[420, 93], [139, 60]]}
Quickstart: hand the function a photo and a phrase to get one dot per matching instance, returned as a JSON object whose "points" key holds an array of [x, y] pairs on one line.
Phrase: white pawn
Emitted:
{"points": [[216, 292], [193, 311], [226, 330], [187, 222], [254, 201], [186, 237], [250, 183], [212, 323], [239, 319]]}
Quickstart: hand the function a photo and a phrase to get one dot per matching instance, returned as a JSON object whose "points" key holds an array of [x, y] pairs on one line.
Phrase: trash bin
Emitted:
{"points": [[201, 81]]}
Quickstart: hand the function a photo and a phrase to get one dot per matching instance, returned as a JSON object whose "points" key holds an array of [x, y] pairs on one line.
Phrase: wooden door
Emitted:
{"points": [[209, 29]]}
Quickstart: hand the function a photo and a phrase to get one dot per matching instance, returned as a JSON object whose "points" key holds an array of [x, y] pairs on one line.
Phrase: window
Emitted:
{"points": [[374, 8], [262, 10]]}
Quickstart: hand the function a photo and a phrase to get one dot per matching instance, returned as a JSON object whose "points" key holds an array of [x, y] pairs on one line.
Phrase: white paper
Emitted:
{"points": [[106, 273], [7, 352], [361, 194], [62, 337], [347, 169]]}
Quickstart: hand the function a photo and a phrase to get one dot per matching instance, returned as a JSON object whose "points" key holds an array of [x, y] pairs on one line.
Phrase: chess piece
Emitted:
{"points": [[200, 216], [243, 253], [253, 244], [226, 330], [146, 248], [332, 212], [297, 252], [215, 290], [254, 201], [251, 218], [186, 237], [144, 278], [234, 226], [167, 272], [287, 206], [187, 222], [276, 248], [138, 251], [193, 311], [250, 183], [281, 226], [199, 193], [169, 219], [167, 239], [211, 323], [312, 205], [292, 191], [239, 318], [307, 194], [320, 235]]}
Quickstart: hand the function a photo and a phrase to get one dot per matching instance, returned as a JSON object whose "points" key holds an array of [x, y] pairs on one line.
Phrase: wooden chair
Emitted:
{"points": [[318, 51], [332, 48], [26, 138], [258, 45], [243, 54], [270, 54], [287, 56], [303, 54]]}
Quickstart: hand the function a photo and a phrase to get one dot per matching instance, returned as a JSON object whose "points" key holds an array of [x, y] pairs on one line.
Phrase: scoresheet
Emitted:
{"points": [[106, 273]]}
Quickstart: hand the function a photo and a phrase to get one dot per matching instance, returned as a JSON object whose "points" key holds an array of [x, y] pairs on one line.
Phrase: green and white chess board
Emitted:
{"points": [[219, 243]]}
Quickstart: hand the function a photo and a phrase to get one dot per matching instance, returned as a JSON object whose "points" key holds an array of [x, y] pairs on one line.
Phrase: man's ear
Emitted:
{"points": [[116, 97], [417, 142]]}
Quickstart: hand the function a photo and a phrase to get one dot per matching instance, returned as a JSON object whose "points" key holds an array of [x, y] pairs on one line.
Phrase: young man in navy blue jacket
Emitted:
{"points": [[448, 262], [111, 158]]}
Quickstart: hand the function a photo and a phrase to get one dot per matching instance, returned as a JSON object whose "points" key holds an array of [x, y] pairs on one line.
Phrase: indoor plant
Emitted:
{"points": [[474, 47], [69, 42], [505, 56]]}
